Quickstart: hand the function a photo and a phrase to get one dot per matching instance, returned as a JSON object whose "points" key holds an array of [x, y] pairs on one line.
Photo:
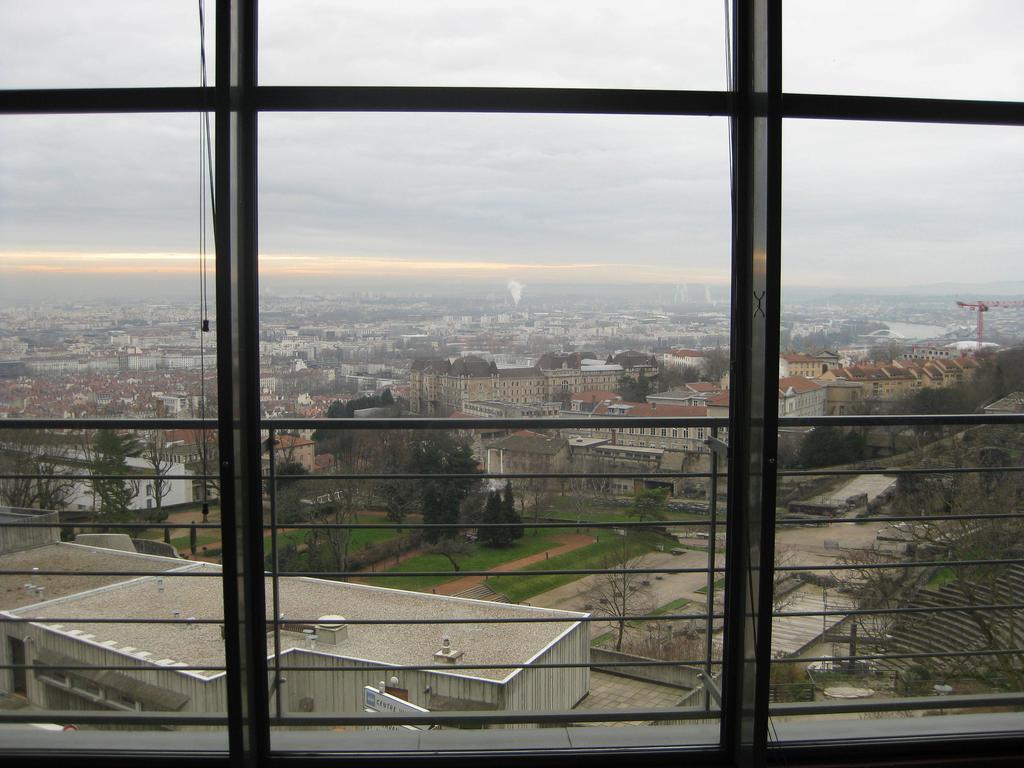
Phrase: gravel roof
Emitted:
{"points": [[305, 598], [70, 557]]}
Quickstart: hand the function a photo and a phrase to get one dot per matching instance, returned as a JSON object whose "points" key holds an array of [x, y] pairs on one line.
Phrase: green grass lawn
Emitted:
{"points": [[672, 607], [204, 537], [719, 586], [480, 558], [519, 588], [941, 578], [361, 537]]}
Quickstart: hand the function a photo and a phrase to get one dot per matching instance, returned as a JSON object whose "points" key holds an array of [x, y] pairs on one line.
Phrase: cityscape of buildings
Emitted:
{"points": [[368, 356], [80, 360]]}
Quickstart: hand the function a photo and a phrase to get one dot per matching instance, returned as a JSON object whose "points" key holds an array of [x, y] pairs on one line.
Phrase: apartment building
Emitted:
{"points": [[441, 387]]}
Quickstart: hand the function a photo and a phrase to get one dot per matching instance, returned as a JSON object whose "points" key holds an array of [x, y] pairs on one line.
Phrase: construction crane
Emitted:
{"points": [[981, 307]]}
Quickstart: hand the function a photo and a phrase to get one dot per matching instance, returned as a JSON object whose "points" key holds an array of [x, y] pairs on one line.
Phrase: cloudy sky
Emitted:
{"points": [[91, 203]]}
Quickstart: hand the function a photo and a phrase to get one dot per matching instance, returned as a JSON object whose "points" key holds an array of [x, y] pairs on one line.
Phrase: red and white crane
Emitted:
{"points": [[981, 307]]}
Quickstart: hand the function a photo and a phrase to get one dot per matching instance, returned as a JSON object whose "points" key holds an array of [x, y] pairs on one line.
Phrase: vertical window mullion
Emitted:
{"points": [[756, 180], [237, 383]]}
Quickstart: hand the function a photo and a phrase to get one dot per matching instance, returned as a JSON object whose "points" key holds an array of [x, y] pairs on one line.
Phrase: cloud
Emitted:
{"points": [[521, 197]]}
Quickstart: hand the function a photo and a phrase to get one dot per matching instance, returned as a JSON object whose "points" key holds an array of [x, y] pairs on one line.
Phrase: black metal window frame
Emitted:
{"points": [[756, 107]]}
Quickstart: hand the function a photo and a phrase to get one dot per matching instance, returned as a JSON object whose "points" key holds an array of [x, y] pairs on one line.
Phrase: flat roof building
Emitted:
{"points": [[340, 634]]}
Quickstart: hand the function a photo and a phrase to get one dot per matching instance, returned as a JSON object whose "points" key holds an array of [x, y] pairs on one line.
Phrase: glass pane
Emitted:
{"points": [[101, 208], [490, 583], [563, 44], [495, 267], [110, 583], [956, 49], [898, 240], [104, 44]]}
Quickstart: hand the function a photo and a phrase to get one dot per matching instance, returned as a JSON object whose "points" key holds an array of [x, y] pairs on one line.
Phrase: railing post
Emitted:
{"points": [[712, 542], [277, 684]]}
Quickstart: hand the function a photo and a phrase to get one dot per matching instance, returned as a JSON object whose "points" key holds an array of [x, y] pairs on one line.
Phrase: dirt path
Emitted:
{"points": [[567, 543]]}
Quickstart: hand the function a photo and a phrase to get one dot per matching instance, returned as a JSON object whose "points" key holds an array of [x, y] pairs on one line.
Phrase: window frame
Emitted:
{"points": [[756, 107]]}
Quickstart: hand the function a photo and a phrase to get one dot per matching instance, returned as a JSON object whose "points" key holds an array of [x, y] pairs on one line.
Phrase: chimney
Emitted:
{"points": [[447, 654]]}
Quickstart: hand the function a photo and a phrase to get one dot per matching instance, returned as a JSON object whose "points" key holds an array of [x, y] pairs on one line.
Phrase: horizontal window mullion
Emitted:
{"points": [[139, 526], [45, 101], [904, 610], [563, 523], [493, 718], [902, 420], [908, 655], [61, 476], [901, 704], [486, 476], [897, 109], [103, 620], [369, 622], [896, 564], [484, 424], [87, 717], [146, 667], [900, 518], [198, 572], [595, 422], [483, 99], [198, 425], [379, 667], [459, 574], [588, 619], [897, 471]]}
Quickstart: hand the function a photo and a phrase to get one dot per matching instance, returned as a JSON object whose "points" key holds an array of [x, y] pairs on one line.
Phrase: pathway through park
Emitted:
{"points": [[567, 542]]}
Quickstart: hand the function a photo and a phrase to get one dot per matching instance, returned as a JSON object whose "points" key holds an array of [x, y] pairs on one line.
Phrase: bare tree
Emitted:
{"points": [[784, 586], [451, 548], [533, 493], [204, 464], [584, 493], [159, 458], [40, 466], [623, 592], [17, 460]]}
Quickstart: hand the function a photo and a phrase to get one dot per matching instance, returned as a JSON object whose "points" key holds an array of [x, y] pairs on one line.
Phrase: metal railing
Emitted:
{"points": [[707, 661]]}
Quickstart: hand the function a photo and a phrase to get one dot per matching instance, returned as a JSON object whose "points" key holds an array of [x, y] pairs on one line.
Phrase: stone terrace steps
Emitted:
{"points": [[482, 592], [959, 630]]}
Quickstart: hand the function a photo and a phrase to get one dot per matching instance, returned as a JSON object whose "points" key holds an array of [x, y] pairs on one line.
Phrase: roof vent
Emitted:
{"points": [[331, 629], [447, 654]]}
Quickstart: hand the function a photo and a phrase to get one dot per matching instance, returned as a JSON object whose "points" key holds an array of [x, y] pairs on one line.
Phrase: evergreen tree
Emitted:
{"points": [[649, 503], [501, 511], [510, 515], [436, 454], [831, 446], [493, 512], [113, 497], [634, 390]]}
